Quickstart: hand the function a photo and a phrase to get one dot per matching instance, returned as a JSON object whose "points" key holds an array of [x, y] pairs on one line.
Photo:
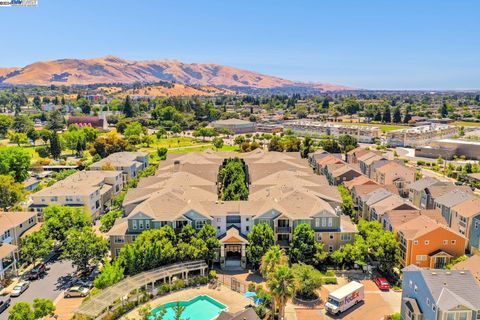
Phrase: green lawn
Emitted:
{"points": [[466, 124]]}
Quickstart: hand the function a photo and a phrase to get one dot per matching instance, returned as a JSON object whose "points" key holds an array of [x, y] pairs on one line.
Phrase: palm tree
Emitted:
{"points": [[274, 257], [281, 284]]}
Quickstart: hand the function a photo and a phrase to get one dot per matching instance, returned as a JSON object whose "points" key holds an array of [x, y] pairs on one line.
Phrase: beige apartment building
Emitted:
{"points": [[129, 163], [91, 190], [420, 136]]}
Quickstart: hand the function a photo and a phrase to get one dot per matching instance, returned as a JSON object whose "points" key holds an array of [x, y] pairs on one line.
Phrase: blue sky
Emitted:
{"points": [[403, 44]]}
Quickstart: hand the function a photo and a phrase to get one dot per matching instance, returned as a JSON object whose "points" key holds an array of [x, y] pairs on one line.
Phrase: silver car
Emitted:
{"points": [[19, 289]]}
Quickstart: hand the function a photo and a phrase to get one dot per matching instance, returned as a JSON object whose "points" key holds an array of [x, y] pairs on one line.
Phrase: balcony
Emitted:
{"points": [[283, 243], [283, 229]]}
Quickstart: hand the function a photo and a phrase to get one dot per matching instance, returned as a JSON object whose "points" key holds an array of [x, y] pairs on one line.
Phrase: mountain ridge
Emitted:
{"points": [[111, 69]]}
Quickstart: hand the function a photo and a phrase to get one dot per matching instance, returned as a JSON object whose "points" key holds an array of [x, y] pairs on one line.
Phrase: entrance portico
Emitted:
{"points": [[233, 249]]}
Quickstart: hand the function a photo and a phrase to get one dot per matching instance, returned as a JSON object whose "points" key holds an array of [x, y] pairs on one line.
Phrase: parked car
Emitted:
{"points": [[381, 283], [4, 303], [37, 272], [76, 291], [19, 289]]}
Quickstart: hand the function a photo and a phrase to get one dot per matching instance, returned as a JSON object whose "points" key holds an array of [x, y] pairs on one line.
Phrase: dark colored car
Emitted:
{"points": [[381, 283], [4, 303], [37, 272]]}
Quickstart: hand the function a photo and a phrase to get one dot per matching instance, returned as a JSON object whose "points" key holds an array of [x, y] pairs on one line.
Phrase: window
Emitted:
{"points": [[330, 248], [415, 288], [450, 316], [234, 219], [330, 222], [463, 315], [219, 219], [454, 241], [428, 302], [247, 228], [415, 242], [247, 219], [117, 252], [199, 224], [324, 222], [140, 224], [346, 237], [21, 225], [421, 257], [445, 242], [118, 239], [427, 242], [434, 308], [410, 283], [317, 222], [134, 224], [319, 237], [331, 236], [147, 224]]}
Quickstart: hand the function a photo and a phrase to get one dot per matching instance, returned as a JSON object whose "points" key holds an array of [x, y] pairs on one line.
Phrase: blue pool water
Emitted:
{"points": [[199, 308]]}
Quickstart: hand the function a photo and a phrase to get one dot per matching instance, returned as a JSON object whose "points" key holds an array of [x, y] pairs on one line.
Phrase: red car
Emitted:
{"points": [[381, 283]]}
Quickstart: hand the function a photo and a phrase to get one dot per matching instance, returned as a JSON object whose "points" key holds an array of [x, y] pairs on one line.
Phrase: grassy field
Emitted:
{"points": [[466, 124]]}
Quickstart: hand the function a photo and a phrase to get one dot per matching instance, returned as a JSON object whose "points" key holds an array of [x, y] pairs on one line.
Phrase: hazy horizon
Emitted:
{"points": [[430, 45]]}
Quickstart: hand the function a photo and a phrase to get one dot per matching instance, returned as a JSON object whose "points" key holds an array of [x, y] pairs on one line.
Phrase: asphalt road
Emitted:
{"points": [[57, 279]]}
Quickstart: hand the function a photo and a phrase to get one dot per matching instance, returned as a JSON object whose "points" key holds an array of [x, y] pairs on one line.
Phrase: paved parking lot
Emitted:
{"points": [[57, 279], [377, 304]]}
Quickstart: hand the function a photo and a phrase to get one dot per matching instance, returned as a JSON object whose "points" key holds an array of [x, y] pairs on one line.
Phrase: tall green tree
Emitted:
{"points": [[260, 240], [11, 192], [56, 121], [43, 307], [274, 257], [60, 219], [128, 109], [397, 115], [36, 246], [111, 273], [443, 110], [307, 281], [6, 123], [55, 145], [387, 117], [21, 311], [208, 234], [84, 248], [304, 247], [281, 284], [15, 161]]}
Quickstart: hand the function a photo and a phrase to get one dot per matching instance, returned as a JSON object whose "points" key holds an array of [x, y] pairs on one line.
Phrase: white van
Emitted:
{"points": [[345, 297]]}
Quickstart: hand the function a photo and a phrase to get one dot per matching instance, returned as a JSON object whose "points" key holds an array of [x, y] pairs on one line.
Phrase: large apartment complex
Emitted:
{"points": [[420, 136], [283, 192], [365, 134], [129, 163], [91, 190]]}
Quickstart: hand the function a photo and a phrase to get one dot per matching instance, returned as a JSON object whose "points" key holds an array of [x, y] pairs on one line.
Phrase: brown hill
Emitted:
{"points": [[175, 90], [115, 70]]}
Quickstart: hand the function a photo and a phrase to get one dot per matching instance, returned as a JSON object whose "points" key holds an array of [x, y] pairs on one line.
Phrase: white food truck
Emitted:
{"points": [[345, 297]]}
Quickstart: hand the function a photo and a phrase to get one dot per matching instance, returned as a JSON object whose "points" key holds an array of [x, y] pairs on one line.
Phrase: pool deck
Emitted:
{"points": [[233, 300]]}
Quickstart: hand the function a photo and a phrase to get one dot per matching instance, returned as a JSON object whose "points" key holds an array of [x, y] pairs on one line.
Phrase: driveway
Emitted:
{"points": [[57, 279], [377, 304]]}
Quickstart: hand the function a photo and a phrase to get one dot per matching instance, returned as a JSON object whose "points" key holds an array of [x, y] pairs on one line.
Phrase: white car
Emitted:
{"points": [[19, 289]]}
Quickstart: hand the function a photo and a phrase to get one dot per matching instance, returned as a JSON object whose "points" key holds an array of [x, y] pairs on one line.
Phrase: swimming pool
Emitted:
{"points": [[199, 308]]}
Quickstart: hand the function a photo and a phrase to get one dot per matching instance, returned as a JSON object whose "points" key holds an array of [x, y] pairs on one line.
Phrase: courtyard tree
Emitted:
{"points": [[43, 307], [84, 248], [109, 143], [21, 311], [35, 246], [233, 179], [281, 284], [60, 219], [11, 192], [274, 257], [304, 247], [260, 240], [347, 142], [307, 281], [217, 143], [208, 234], [55, 145], [6, 123], [111, 273]]}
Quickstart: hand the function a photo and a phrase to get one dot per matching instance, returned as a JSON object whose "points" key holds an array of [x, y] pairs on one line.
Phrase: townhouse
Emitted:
{"points": [[392, 219], [395, 173], [284, 192], [323, 162], [429, 194], [358, 181], [417, 188], [12, 226], [428, 243], [447, 201], [91, 190], [465, 219], [367, 161], [129, 163], [472, 264], [439, 295], [353, 155], [340, 173], [376, 209]]}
